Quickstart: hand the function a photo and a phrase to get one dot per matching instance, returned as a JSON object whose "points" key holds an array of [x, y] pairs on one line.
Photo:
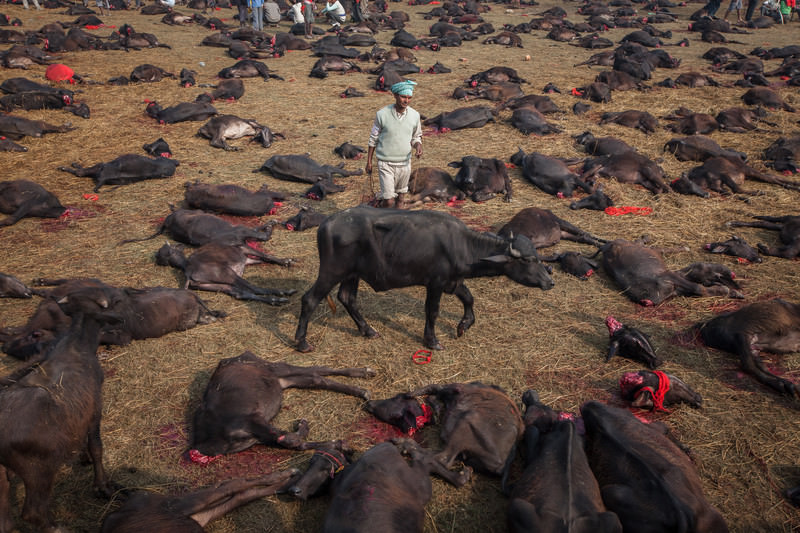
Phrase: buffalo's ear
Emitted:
{"points": [[454, 164], [718, 249], [497, 259]]}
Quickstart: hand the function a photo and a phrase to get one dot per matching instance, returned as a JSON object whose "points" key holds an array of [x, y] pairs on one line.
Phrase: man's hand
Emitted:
{"points": [[418, 146], [368, 168]]}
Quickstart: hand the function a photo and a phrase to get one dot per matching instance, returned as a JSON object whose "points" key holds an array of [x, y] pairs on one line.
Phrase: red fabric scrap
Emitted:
{"points": [[627, 209], [59, 72]]}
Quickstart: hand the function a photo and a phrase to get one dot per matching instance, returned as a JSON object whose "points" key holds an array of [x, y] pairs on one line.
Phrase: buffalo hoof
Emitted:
{"points": [[434, 345], [365, 394], [303, 346], [370, 372], [370, 333]]}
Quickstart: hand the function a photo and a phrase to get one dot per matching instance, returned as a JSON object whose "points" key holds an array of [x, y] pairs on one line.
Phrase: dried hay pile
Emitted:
{"points": [[744, 439]]}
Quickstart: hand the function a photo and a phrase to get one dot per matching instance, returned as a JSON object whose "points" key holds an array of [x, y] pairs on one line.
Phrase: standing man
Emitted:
{"points": [[396, 130]]}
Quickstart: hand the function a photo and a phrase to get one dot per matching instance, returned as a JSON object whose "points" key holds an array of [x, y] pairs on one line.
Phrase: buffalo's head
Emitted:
{"points": [[521, 263]]}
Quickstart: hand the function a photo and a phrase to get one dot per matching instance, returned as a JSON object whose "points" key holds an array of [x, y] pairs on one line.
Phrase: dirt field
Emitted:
{"points": [[744, 438]]}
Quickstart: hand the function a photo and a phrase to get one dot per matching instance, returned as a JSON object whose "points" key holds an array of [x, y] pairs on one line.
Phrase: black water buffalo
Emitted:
{"points": [[180, 112], [719, 172], [303, 169], [248, 68], [219, 268], [7, 145], [227, 89], [597, 201], [463, 117], [644, 278], [736, 247], [479, 424], [383, 492], [430, 184], [16, 128], [23, 198], [305, 219], [627, 167], [480, 177], [646, 479], [557, 490], [11, 287], [789, 228], [244, 394], [159, 147], [495, 75], [149, 73], [641, 120], [544, 228], [190, 512], [51, 410], [784, 154], [766, 97], [654, 390], [365, 243], [231, 199], [195, 227], [771, 326], [550, 174], [741, 120], [144, 313], [330, 63], [125, 169], [223, 127], [530, 121], [698, 148], [349, 151]]}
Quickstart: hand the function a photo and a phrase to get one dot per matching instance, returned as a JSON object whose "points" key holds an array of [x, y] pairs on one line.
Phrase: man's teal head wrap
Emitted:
{"points": [[403, 88]]}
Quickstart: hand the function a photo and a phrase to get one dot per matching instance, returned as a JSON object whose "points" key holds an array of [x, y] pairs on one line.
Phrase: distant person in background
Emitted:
{"points": [[737, 5], [241, 5], [359, 12], [258, 14], [272, 13], [336, 13], [308, 15], [711, 7], [296, 12], [36, 3]]}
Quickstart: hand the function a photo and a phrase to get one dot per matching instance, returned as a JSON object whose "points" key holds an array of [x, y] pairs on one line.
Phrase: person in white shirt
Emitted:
{"points": [[297, 13], [335, 11]]}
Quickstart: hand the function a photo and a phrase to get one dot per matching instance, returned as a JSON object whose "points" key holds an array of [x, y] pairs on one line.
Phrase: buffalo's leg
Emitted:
{"points": [[295, 440], [6, 524], [425, 458], [21, 212], [752, 364], [763, 225], [462, 293], [38, 480], [95, 449], [348, 292], [319, 382], [788, 252], [284, 370], [432, 300], [309, 303]]}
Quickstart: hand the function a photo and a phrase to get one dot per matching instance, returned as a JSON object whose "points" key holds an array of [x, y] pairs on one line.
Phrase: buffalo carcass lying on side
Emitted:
{"points": [[51, 410], [184, 111], [125, 169], [641, 274], [550, 174], [717, 173], [248, 68], [244, 394], [224, 127], [393, 248], [382, 492], [479, 423], [219, 268], [16, 128], [303, 169], [544, 229], [654, 390], [144, 313], [627, 167], [231, 199], [430, 184], [557, 490], [158, 513], [463, 117], [481, 177], [644, 478], [771, 326], [23, 198], [789, 228]]}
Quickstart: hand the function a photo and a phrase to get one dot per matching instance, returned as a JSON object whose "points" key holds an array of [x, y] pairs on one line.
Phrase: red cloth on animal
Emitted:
{"points": [[59, 72]]}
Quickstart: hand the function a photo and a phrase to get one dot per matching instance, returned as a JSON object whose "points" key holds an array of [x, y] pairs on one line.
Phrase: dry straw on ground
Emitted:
{"points": [[744, 440]]}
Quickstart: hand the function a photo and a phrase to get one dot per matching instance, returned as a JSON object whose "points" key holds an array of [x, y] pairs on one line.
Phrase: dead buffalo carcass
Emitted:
{"points": [[150, 73], [698, 148], [180, 112], [330, 63], [248, 68], [789, 228], [643, 277], [144, 313], [365, 243], [125, 169], [463, 117], [544, 228], [627, 167], [11, 287], [549, 174], [641, 120], [23, 198], [158, 513], [303, 169], [383, 492], [557, 490], [223, 127], [719, 172], [219, 268], [482, 177], [231, 199], [244, 394], [784, 154], [18, 127], [771, 326], [430, 184], [643, 476], [51, 410]]}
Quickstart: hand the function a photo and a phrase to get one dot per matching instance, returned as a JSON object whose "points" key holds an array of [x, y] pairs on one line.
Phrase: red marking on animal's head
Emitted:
{"points": [[290, 227], [743, 261], [576, 92], [706, 246], [473, 83], [613, 324], [161, 122], [629, 382], [559, 194], [589, 272], [647, 303], [165, 154], [312, 196], [187, 85]]}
